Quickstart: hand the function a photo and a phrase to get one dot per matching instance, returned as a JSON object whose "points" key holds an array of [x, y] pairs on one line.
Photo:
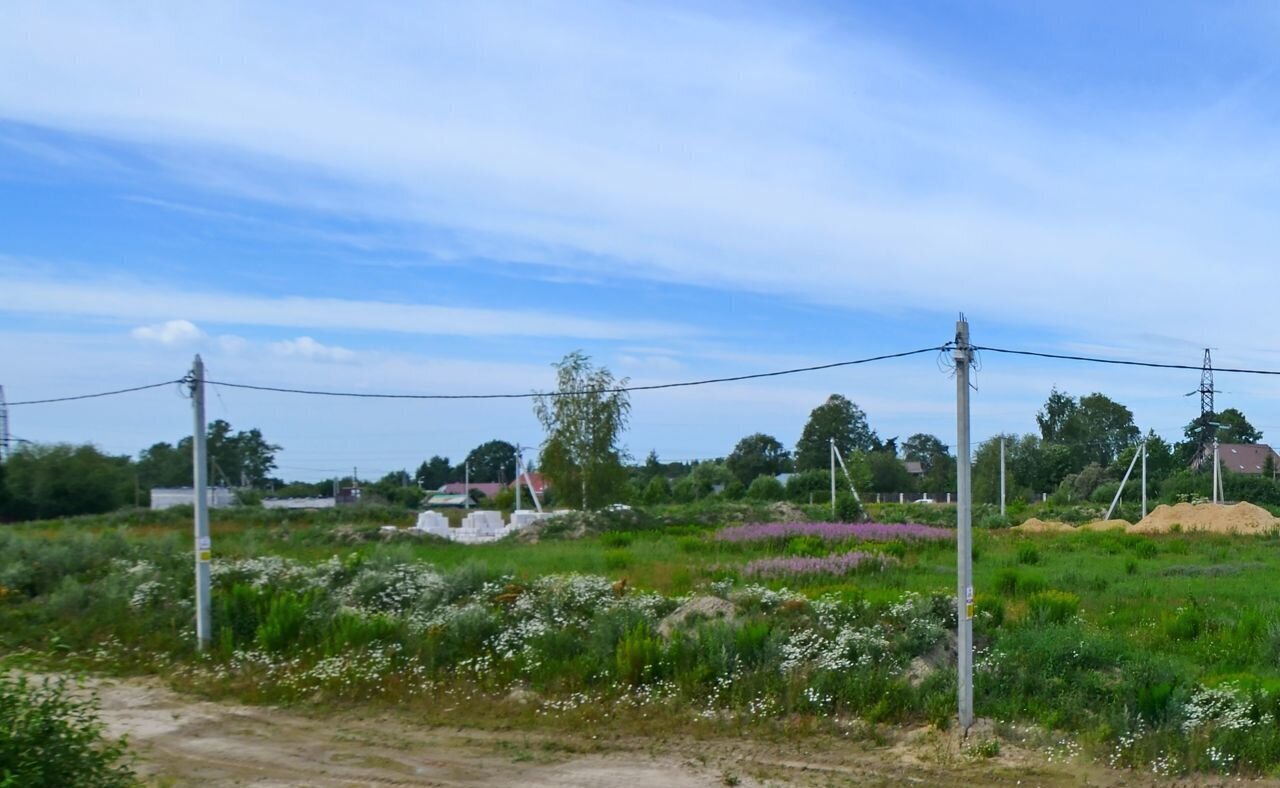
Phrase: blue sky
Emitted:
{"points": [[449, 198]]}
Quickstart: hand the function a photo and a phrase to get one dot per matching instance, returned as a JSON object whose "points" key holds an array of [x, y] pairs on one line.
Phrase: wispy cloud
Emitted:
{"points": [[737, 152], [140, 301], [308, 348]]}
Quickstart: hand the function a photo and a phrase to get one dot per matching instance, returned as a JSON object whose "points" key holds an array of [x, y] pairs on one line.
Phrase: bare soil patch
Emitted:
{"points": [[184, 741]]}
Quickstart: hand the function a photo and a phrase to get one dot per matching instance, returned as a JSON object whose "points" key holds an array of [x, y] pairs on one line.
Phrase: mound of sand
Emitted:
{"points": [[1037, 526], [1238, 518], [1105, 525]]}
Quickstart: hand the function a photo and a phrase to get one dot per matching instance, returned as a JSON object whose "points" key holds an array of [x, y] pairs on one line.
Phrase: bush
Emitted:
{"points": [[657, 491], [50, 739], [1052, 607], [1028, 554], [638, 655], [848, 510], [807, 485], [765, 488]]}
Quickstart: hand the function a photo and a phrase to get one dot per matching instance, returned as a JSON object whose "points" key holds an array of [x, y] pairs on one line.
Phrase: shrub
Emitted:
{"points": [[1146, 549], [1028, 554], [282, 625], [616, 539], [616, 559], [847, 508], [1011, 582], [638, 655], [765, 488], [1052, 607], [734, 491], [1186, 623], [48, 738]]}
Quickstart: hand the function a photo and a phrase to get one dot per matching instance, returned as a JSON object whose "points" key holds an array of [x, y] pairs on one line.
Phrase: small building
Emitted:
{"points": [[485, 489], [169, 497], [1250, 458], [537, 480], [452, 501], [299, 503], [914, 467]]}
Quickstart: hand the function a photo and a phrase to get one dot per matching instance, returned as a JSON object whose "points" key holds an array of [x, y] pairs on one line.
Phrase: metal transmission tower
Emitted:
{"points": [[4, 427], [1207, 429], [1206, 385]]}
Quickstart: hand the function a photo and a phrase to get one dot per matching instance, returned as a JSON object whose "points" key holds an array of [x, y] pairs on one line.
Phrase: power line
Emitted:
{"points": [[616, 390], [1123, 362], [99, 394]]}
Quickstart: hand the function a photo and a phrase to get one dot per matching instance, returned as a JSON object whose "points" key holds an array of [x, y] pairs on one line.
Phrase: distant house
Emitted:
{"points": [[451, 501], [914, 467], [485, 489], [169, 497], [299, 503], [1250, 458], [539, 483]]}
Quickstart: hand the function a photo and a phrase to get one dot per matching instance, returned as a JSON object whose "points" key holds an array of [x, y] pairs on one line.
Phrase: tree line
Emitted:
{"points": [[1079, 453]]}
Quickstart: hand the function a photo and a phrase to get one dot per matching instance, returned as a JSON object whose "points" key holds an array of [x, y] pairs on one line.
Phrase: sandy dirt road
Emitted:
{"points": [[185, 741]]}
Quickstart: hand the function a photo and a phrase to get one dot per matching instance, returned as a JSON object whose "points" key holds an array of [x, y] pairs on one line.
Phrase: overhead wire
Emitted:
{"points": [[612, 390], [939, 349], [95, 395], [1124, 362]]}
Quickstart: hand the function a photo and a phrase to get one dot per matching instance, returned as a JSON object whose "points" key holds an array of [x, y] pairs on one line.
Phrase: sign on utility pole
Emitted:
{"points": [[203, 547], [963, 355]]}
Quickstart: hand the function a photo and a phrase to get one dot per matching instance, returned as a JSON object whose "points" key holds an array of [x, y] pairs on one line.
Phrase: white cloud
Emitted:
{"points": [[308, 348], [765, 154], [134, 300], [172, 333]]}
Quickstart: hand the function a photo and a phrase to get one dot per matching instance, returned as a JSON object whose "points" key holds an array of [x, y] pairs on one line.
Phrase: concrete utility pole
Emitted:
{"points": [[4, 427], [1144, 480], [519, 474], [832, 457], [1002, 477], [963, 355], [200, 469], [1215, 471], [466, 484]]}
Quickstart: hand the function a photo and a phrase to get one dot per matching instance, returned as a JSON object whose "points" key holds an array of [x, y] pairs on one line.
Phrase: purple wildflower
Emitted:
{"points": [[859, 532], [835, 565]]}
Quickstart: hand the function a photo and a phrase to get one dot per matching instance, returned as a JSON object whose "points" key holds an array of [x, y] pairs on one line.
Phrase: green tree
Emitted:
{"points": [[62, 480], [584, 420], [1056, 418], [433, 474], [493, 461], [1094, 428], [888, 474], [164, 465], [657, 491], [766, 488], [758, 454], [1235, 428], [838, 419], [1104, 428], [924, 449]]}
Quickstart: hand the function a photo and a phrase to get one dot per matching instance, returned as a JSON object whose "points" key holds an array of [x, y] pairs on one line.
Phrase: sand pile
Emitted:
{"points": [[1037, 526], [1238, 518], [1105, 525]]}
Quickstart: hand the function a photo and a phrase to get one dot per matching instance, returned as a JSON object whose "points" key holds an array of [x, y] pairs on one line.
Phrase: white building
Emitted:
{"points": [[168, 497]]}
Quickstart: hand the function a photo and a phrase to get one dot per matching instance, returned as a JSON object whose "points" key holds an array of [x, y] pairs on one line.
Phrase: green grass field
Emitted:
{"points": [[1154, 652]]}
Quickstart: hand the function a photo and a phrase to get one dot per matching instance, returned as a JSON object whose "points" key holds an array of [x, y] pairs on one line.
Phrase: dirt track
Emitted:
{"points": [[183, 741]]}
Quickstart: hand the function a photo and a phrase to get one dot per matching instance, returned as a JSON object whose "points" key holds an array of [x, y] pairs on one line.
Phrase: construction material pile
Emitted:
{"points": [[1037, 526], [1105, 525], [1237, 518]]}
